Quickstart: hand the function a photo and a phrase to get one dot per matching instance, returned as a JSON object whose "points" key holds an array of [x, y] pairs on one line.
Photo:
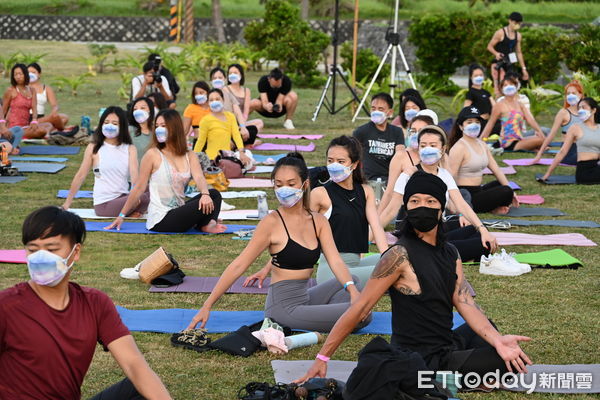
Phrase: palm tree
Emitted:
{"points": [[217, 20]]}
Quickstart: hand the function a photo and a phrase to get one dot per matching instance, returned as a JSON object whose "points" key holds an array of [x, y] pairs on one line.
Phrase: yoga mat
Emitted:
{"points": [[561, 239], [288, 371], [13, 256], [44, 159], [505, 170], [12, 179], [39, 167], [550, 258], [557, 179], [262, 169], [44, 150], [571, 223], [292, 137], [205, 284], [530, 199], [525, 162], [89, 213], [250, 183], [534, 212], [551, 151], [235, 195], [231, 215], [285, 147], [514, 186], [82, 194], [267, 158], [140, 227], [549, 378]]}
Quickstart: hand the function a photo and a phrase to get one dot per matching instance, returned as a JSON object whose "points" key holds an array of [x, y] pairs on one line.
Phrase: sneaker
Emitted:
{"points": [[192, 339], [495, 265], [288, 124], [131, 273], [226, 207], [498, 224], [510, 258]]}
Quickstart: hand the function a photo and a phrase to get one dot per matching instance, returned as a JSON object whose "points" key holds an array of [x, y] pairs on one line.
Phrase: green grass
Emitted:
{"points": [[557, 308], [560, 12]]}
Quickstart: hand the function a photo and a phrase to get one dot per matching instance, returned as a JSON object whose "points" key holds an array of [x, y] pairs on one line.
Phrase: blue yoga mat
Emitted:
{"points": [[140, 227], [261, 158], [82, 194], [12, 179], [43, 159], [172, 320], [514, 186], [46, 168], [43, 150]]}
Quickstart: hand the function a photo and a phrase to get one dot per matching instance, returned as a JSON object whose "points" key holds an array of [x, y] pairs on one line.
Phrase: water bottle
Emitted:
{"points": [[302, 340], [378, 190], [263, 207]]}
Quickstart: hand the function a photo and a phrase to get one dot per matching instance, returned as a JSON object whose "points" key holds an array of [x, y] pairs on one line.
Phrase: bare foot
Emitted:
{"points": [[213, 227], [501, 210]]}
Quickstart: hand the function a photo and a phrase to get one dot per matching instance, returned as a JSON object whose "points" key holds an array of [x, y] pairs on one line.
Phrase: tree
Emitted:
{"points": [[217, 20], [304, 7]]}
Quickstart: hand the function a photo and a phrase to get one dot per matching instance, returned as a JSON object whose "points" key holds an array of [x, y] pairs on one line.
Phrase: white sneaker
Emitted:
{"points": [[131, 273], [510, 258], [495, 265], [288, 124], [226, 207]]}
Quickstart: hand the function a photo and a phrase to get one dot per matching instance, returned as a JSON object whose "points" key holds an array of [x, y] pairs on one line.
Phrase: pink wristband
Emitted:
{"points": [[33, 122], [323, 358], [2, 121]]}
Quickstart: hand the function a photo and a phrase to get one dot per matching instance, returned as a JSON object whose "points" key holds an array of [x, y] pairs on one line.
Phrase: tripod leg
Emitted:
{"points": [[362, 102], [322, 98], [412, 82], [354, 95]]}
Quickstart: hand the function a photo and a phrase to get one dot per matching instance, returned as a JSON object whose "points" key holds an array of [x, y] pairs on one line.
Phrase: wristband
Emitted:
{"points": [[204, 194], [323, 358], [121, 215], [33, 122], [242, 125], [348, 284], [460, 215], [2, 121]]}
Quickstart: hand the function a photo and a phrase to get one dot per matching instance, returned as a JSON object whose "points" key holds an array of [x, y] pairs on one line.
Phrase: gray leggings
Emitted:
{"points": [[292, 304], [113, 207], [359, 267]]}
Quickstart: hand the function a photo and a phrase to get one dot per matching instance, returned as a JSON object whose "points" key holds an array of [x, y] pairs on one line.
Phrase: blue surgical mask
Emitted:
{"points": [[430, 155], [338, 172], [234, 78], [410, 114], [378, 117], [413, 141], [472, 129], [218, 83], [288, 196], [478, 80], [161, 134], [216, 106], [110, 131], [200, 98], [48, 269], [509, 90], [572, 99], [32, 77], [584, 114], [140, 116]]}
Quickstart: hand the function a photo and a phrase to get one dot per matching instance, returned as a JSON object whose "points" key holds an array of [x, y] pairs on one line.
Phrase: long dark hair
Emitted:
{"points": [[202, 85], [23, 69], [296, 160], [419, 102], [456, 134], [593, 105], [123, 138], [175, 136], [472, 69], [354, 149], [242, 75], [150, 122]]}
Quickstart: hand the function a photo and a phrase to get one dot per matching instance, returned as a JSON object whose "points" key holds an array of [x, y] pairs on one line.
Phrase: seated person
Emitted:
{"points": [[480, 98], [197, 109], [469, 156], [113, 158], [141, 125], [587, 136], [149, 82], [424, 277], [409, 108], [243, 95], [160, 103], [276, 98], [379, 139], [49, 327], [163, 71], [295, 237], [10, 137], [45, 95], [167, 168]]}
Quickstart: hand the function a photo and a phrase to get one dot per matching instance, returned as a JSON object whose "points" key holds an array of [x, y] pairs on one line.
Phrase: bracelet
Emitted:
{"points": [[121, 215], [460, 215], [323, 358], [2, 121], [348, 284], [204, 194], [242, 125], [33, 122]]}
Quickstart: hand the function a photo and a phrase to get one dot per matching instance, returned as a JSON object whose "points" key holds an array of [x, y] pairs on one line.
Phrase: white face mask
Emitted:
{"points": [[572, 99], [161, 134], [472, 129], [110, 131], [218, 83], [48, 269], [509, 90], [378, 117], [216, 106], [410, 114], [338, 172], [478, 80], [430, 155], [140, 116], [288, 196], [32, 77], [234, 78], [200, 98], [584, 114]]}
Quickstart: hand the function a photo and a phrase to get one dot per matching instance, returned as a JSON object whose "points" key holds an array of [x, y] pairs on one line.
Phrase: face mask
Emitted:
{"points": [[200, 98], [140, 116], [288, 196], [430, 155], [509, 90], [32, 77], [110, 131], [378, 117], [338, 172], [218, 83], [413, 141], [423, 219], [46, 268], [161, 134], [472, 130], [410, 114], [234, 78], [584, 114], [572, 99], [216, 106], [478, 80]]}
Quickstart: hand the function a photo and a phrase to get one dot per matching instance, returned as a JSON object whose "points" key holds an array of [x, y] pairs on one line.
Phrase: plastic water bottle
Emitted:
{"points": [[263, 207], [378, 190], [302, 340]]}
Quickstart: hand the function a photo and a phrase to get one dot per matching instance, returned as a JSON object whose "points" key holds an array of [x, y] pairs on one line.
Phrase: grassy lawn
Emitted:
{"points": [[557, 308], [559, 11]]}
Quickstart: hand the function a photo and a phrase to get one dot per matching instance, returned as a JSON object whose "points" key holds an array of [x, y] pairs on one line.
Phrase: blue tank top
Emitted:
{"points": [[573, 119]]}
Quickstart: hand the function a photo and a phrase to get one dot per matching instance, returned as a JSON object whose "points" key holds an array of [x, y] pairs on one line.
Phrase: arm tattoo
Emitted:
{"points": [[464, 296], [407, 291], [390, 262]]}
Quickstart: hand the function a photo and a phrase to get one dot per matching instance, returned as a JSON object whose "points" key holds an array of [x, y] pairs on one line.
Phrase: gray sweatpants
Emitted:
{"points": [[292, 304], [113, 207], [359, 267]]}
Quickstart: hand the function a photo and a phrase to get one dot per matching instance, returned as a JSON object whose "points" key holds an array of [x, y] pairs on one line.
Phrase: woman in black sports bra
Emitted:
{"points": [[295, 238]]}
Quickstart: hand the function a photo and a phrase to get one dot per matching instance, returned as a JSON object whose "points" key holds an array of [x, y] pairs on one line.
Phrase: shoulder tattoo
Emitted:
{"points": [[390, 262]]}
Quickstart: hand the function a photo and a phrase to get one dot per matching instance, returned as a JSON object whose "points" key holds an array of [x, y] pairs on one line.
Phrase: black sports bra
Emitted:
{"points": [[294, 256]]}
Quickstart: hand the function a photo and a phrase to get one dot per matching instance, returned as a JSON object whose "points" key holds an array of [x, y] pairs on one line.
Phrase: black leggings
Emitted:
{"points": [[587, 172], [252, 132], [182, 219], [467, 241], [490, 196], [123, 390]]}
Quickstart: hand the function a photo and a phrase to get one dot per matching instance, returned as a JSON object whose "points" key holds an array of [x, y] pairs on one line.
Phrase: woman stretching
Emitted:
{"points": [[587, 136], [141, 125], [167, 168], [295, 237], [114, 161], [469, 156]]}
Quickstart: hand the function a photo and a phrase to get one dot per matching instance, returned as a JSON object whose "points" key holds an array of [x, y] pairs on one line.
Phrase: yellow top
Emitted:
{"points": [[217, 135], [195, 112]]}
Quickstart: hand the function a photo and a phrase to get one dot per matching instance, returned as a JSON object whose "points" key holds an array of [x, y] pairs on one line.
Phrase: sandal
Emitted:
{"points": [[192, 339]]}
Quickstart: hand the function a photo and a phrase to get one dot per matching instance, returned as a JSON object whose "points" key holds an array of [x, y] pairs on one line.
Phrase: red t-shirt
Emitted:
{"points": [[45, 353]]}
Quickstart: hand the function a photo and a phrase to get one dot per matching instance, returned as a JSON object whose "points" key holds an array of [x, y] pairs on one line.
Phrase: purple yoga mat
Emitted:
{"points": [[250, 183], [205, 284], [561, 239], [13, 256], [505, 170], [284, 136], [285, 147], [524, 162], [530, 199], [513, 185]]}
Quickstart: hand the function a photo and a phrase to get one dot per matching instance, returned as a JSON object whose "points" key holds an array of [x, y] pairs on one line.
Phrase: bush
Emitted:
{"points": [[284, 37], [582, 50], [366, 64], [542, 60]]}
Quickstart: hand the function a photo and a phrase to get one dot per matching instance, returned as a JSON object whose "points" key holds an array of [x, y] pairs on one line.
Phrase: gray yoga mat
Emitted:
{"points": [[46, 168], [288, 371], [205, 284], [571, 223], [46, 150], [557, 179], [12, 179], [534, 212]]}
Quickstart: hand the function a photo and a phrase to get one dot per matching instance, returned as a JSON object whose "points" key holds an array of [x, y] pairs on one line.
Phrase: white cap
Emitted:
{"points": [[429, 113]]}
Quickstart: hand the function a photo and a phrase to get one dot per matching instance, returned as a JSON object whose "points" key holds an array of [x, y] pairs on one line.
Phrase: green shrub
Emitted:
{"points": [[366, 64], [541, 47], [582, 50]]}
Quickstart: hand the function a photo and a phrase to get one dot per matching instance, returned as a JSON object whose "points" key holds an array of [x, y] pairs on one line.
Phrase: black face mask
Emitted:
{"points": [[423, 219]]}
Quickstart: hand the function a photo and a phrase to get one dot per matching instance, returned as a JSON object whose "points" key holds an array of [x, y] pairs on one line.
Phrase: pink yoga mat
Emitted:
{"points": [[284, 136], [523, 162], [205, 284], [250, 183], [13, 256], [505, 170], [285, 147], [561, 239], [530, 199]]}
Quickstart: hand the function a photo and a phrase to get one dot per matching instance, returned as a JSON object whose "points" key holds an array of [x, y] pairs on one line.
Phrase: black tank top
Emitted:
{"points": [[423, 323], [507, 45], [294, 256], [348, 218]]}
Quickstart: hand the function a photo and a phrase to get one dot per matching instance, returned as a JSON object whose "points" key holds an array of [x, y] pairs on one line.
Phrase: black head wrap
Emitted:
{"points": [[425, 183]]}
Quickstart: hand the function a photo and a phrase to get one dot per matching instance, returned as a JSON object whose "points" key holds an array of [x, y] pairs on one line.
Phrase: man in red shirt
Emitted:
{"points": [[49, 326]]}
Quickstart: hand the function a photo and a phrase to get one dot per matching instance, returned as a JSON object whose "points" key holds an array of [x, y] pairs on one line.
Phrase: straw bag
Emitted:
{"points": [[216, 178], [155, 265]]}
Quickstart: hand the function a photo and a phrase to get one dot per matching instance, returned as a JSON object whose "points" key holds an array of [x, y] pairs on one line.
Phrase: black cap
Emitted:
{"points": [[424, 183], [515, 16], [468, 112]]}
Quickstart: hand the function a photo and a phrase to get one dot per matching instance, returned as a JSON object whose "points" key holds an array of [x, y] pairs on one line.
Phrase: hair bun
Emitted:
{"points": [[295, 154]]}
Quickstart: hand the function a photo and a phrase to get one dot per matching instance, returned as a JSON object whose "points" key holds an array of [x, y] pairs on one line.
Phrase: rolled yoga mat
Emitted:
{"points": [[140, 227], [46, 168], [291, 137], [285, 147], [42, 159], [534, 212], [13, 256], [550, 222], [557, 179], [44, 150], [205, 284], [12, 179]]}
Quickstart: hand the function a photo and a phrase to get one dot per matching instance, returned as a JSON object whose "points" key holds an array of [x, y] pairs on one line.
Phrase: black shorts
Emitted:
{"points": [[267, 114], [252, 131]]}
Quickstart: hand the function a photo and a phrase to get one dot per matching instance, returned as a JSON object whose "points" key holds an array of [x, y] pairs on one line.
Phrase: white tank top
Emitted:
{"points": [[111, 173], [167, 190], [42, 99]]}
